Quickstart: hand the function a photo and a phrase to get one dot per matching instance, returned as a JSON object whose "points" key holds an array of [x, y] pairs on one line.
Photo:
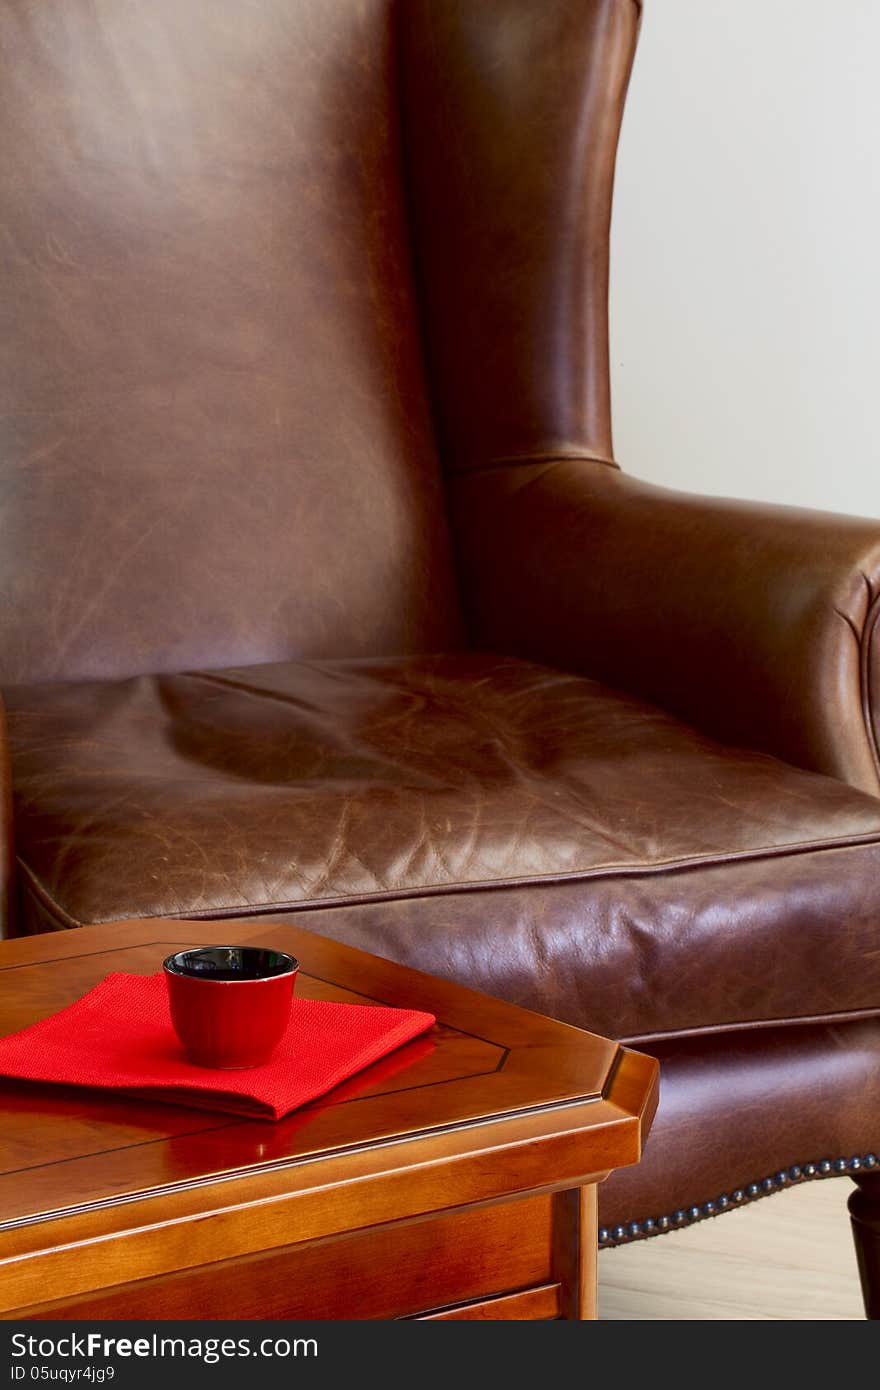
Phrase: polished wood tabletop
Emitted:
{"points": [[491, 1102]]}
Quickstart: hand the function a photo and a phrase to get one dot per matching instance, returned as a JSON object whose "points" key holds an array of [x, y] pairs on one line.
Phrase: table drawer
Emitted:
{"points": [[461, 1257]]}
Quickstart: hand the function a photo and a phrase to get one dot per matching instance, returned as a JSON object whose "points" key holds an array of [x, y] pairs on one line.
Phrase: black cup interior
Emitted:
{"points": [[231, 963]]}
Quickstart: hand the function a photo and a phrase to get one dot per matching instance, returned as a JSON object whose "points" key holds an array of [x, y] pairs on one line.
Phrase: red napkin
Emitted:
{"points": [[119, 1037]]}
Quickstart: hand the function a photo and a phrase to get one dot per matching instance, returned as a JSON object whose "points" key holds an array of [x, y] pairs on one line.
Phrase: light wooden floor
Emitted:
{"points": [[786, 1257]]}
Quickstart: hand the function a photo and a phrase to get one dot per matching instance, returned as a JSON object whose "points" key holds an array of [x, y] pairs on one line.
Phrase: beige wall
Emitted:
{"points": [[746, 252]]}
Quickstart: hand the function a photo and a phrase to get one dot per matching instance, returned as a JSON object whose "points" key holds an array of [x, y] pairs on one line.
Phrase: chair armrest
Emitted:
{"points": [[755, 623], [7, 860]]}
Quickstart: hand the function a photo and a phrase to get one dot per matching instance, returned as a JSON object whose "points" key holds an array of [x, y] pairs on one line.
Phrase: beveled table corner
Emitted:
{"points": [[454, 1179]]}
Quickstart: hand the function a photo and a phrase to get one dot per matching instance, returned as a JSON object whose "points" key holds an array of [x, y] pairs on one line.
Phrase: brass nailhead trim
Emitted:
{"points": [[786, 1177]]}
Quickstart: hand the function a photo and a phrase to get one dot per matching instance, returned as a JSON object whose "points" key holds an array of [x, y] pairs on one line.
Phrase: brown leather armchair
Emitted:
{"points": [[324, 596]]}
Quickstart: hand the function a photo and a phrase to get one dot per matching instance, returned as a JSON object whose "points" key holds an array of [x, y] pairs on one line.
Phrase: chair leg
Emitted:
{"points": [[864, 1210]]}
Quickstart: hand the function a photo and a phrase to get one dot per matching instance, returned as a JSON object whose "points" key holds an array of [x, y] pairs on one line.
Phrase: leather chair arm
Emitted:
{"points": [[755, 623], [6, 851]]}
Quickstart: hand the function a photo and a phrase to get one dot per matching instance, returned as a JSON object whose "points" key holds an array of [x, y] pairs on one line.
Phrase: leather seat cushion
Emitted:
{"points": [[528, 832]]}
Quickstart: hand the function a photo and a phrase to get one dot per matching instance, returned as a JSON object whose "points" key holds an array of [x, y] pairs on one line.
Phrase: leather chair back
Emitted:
{"points": [[216, 440], [218, 444]]}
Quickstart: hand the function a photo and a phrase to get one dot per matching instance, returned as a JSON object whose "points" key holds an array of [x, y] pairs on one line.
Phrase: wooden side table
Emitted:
{"points": [[455, 1179]]}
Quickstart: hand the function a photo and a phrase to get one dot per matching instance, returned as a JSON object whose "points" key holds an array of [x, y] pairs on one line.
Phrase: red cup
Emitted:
{"points": [[230, 1005]]}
